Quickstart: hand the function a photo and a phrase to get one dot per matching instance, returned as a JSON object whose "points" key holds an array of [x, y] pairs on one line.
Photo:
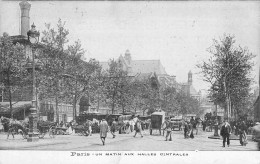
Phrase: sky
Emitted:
{"points": [[176, 33]]}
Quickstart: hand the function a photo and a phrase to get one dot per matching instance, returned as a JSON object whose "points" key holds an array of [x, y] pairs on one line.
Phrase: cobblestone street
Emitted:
{"points": [[125, 142]]}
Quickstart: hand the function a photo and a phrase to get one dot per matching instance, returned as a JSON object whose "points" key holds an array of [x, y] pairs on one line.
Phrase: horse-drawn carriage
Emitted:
{"points": [[124, 123], [46, 127], [22, 127], [81, 130], [43, 128]]}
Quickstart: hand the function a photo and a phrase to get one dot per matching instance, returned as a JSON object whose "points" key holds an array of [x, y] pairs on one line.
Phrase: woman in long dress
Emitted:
{"points": [[103, 130]]}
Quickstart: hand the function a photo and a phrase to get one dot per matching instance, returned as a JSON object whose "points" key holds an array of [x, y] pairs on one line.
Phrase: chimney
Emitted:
{"points": [[25, 19]]}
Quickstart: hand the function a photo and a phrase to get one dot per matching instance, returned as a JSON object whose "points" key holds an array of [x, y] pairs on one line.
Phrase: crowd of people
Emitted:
{"points": [[239, 128]]}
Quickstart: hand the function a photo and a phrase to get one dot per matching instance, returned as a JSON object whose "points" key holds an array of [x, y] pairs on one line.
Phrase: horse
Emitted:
{"points": [[16, 128], [13, 127], [5, 122]]}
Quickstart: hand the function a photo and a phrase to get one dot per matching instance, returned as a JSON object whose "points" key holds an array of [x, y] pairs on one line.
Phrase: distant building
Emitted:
{"points": [[189, 89], [146, 69], [134, 67]]}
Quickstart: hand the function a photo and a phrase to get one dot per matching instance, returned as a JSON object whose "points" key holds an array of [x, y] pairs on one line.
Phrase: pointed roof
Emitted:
{"points": [[148, 66]]}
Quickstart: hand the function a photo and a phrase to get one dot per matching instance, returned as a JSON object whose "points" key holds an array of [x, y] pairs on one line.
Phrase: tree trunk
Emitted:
{"points": [[113, 106], [10, 102], [74, 107], [57, 110], [113, 102], [75, 103], [10, 93]]}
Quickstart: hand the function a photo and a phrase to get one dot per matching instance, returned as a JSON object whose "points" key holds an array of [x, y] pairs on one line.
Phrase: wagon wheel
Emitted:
{"points": [[23, 134], [84, 133], [52, 130], [41, 134], [79, 132]]}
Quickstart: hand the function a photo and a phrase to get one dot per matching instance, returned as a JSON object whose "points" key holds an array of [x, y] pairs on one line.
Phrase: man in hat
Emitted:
{"points": [[242, 134], [103, 130], [225, 132], [186, 129], [168, 129], [138, 128]]}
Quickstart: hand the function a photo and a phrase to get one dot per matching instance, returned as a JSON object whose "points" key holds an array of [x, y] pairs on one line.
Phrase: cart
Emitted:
{"points": [[81, 130], [60, 131], [157, 120], [43, 127]]}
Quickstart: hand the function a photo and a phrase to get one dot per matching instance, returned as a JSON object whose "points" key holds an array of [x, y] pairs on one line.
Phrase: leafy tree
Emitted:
{"points": [[170, 103], [137, 95], [187, 104], [13, 73], [228, 70], [53, 59], [116, 86]]}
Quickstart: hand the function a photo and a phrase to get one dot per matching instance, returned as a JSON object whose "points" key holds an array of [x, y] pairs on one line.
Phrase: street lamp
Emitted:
{"points": [[33, 38]]}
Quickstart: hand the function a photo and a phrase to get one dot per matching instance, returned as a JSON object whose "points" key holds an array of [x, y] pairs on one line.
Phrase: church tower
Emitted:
{"points": [[128, 57], [190, 78]]}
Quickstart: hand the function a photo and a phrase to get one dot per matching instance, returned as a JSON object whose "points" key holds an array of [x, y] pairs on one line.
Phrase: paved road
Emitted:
{"points": [[126, 142]]}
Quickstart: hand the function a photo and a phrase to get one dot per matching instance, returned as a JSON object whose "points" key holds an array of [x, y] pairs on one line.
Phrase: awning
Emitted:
{"points": [[17, 106]]}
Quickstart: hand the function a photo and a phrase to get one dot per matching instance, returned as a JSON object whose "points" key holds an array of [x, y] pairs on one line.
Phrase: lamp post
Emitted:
{"points": [[33, 37]]}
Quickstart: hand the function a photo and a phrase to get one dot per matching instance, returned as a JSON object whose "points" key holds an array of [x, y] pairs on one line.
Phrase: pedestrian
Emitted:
{"points": [[204, 125], [132, 124], [190, 130], [103, 130], [138, 128], [225, 133], [242, 134], [127, 127], [69, 130], [90, 127], [168, 129], [193, 124], [113, 128], [186, 129]]}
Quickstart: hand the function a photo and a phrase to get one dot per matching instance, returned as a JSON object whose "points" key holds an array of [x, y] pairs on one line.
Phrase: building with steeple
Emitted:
{"points": [[189, 89], [152, 70]]}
